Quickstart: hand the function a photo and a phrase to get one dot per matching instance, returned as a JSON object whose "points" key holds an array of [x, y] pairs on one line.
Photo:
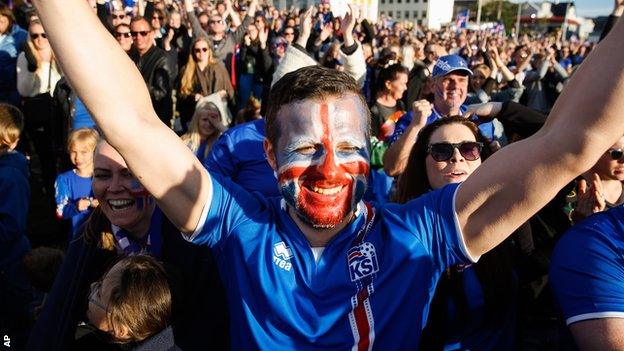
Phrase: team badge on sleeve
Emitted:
{"points": [[362, 261]]}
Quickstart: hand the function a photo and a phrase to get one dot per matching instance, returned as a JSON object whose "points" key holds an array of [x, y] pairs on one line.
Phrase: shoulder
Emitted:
{"points": [[587, 268]]}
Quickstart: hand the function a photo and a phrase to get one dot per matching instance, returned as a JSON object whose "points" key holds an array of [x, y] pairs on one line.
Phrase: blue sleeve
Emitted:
{"points": [[587, 271], [221, 159], [228, 206], [65, 206], [432, 220], [14, 197]]}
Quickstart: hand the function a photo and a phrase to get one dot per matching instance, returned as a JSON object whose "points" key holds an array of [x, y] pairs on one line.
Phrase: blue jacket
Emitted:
{"points": [[14, 199]]}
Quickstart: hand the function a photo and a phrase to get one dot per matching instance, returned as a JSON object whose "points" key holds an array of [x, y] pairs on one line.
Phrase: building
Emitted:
{"points": [[547, 16], [431, 13]]}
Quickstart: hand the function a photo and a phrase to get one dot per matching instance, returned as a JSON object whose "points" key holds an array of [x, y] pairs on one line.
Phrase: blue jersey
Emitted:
{"points": [[239, 155], [369, 289], [70, 188], [587, 268], [487, 129]]}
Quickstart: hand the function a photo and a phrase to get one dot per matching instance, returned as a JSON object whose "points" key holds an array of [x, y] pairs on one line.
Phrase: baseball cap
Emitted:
{"points": [[450, 63]]}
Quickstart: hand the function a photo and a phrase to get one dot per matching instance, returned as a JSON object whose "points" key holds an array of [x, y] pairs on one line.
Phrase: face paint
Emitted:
{"points": [[142, 197], [323, 158]]}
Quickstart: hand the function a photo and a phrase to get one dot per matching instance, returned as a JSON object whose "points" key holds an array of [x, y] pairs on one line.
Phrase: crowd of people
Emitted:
{"points": [[237, 176]]}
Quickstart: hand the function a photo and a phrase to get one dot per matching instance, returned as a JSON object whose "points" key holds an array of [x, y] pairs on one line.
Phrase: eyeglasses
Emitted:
{"points": [[616, 154], [470, 150], [218, 21], [143, 33], [158, 18], [119, 16], [95, 287], [119, 35], [289, 33], [37, 35], [199, 50]]}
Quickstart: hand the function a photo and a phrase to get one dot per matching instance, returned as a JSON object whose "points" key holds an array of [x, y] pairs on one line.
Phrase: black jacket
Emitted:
{"points": [[155, 67]]}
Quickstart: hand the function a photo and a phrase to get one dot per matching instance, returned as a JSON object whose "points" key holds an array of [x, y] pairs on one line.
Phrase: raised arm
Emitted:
{"points": [[114, 92], [517, 181]]}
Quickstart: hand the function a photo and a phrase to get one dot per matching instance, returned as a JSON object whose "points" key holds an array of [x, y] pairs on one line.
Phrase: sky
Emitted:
{"points": [[593, 8]]}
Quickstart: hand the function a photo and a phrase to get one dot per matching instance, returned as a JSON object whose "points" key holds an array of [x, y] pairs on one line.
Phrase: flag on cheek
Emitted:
{"points": [[142, 197]]}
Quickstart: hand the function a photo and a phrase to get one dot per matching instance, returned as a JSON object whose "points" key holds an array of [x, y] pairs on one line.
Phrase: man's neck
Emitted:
{"points": [[445, 110], [318, 237], [144, 51]]}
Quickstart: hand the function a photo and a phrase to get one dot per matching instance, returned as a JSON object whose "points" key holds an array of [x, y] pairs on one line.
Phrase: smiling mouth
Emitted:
{"points": [[456, 173], [121, 204]]}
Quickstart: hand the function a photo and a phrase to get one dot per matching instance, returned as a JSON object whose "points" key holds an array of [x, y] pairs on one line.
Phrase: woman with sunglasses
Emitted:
{"points": [[473, 307], [601, 187], [122, 34], [203, 75], [37, 75], [204, 129]]}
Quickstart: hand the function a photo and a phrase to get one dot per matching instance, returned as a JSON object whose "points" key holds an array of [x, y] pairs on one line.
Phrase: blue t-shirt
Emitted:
{"points": [[70, 188], [239, 155], [82, 117], [487, 129], [587, 268], [374, 291]]}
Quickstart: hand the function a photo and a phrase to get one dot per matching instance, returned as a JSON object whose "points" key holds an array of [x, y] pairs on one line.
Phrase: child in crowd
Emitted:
{"points": [[131, 305], [74, 198], [15, 291]]}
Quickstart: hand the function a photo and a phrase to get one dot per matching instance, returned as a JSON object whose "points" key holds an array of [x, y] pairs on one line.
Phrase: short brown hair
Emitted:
{"points": [[309, 83], [141, 301], [11, 125]]}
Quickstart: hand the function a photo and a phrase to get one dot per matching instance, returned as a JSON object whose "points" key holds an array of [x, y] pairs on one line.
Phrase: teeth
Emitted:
{"points": [[327, 191], [120, 202]]}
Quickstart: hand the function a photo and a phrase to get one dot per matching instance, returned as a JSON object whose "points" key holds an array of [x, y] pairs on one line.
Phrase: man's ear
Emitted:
{"points": [[268, 150]]}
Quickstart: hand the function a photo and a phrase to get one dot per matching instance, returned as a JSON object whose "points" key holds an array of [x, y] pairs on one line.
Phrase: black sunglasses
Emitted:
{"points": [[119, 16], [470, 150], [198, 50], [119, 35], [616, 154], [142, 32], [37, 35]]}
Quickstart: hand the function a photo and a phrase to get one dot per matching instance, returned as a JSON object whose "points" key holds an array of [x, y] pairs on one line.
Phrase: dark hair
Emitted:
{"points": [[413, 182], [139, 19], [390, 73], [311, 82], [141, 299], [120, 25], [6, 11], [494, 269]]}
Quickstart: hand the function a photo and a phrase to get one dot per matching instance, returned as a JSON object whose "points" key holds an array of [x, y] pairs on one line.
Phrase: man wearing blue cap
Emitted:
{"points": [[450, 78]]}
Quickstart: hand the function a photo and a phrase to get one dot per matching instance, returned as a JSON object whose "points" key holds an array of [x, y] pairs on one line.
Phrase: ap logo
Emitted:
{"points": [[282, 255], [362, 261]]}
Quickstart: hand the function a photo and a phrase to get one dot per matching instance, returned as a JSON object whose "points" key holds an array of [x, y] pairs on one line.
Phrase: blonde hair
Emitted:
{"points": [[87, 136], [188, 75], [11, 125], [35, 52], [192, 137]]}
